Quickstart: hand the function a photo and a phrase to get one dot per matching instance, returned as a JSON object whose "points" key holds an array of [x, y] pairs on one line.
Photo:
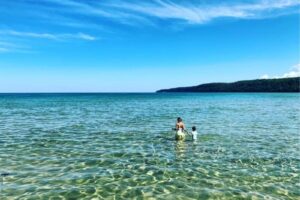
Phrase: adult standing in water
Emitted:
{"points": [[180, 127]]}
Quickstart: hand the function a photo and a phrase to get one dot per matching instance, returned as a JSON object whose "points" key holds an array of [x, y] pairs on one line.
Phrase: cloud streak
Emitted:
{"points": [[103, 17], [64, 36], [6, 47], [81, 14], [187, 11], [200, 13]]}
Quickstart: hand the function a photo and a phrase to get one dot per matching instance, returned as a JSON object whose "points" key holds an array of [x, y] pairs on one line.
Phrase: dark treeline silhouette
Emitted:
{"points": [[259, 85]]}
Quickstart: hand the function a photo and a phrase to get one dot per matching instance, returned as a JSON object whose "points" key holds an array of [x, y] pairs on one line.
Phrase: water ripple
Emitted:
{"points": [[118, 146]]}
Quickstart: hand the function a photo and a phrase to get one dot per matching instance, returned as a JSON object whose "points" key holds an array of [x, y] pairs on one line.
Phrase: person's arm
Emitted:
{"points": [[183, 127], [176, 127]]}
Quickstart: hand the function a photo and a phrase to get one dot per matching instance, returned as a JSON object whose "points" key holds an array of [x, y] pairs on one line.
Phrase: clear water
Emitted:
{"points": [[121, 146]]}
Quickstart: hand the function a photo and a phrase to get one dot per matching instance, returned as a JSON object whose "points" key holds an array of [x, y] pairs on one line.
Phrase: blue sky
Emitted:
{"points": [[143, 46]]}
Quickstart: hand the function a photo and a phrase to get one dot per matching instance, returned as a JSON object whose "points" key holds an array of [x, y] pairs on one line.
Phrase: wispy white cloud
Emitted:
{"points": [[102, 16], [294, 72], [83, 14], [101, 10], [82, 7], [192, 12], [198, 13], [6, 47], [84, 36], [64, 36]]}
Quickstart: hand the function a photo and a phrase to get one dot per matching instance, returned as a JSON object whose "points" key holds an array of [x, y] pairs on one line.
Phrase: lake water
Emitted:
{"points": [[121, 146]]}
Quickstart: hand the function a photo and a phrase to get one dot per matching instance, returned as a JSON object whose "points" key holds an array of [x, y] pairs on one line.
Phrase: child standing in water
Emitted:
{"points": [[194, 133]]}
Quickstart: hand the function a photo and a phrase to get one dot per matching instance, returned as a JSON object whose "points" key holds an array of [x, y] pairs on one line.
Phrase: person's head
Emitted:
{"points": [[194, 128], [179, 119]]}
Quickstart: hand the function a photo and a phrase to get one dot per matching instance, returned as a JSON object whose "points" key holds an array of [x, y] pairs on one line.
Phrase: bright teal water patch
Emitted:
{"points": [[120, 146]]}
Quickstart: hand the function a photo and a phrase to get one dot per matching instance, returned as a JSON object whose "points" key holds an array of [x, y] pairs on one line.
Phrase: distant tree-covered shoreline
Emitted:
{"points": [[258, 85]]}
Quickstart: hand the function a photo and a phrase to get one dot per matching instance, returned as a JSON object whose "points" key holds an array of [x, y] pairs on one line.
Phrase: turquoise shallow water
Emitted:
{"points": [[120, 146]]}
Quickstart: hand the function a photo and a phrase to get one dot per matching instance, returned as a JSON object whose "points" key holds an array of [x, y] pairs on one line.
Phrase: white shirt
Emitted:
{"points": [[194, 134]]}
